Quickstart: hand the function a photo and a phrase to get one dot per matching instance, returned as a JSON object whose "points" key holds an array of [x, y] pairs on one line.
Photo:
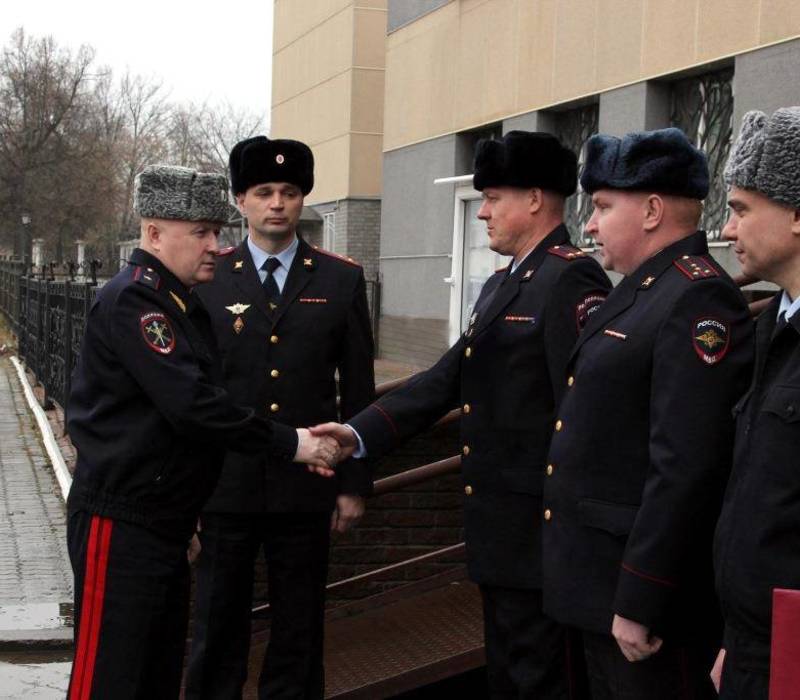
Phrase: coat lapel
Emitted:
{"points": [[641, 280], [510, 288], [300, 274], [247, 280]]}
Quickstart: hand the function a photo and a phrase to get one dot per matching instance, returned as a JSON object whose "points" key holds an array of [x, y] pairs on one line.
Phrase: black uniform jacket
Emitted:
{"points": [[757, 545], [147, 413], [642, 448], [283, 362], [507, 373]]}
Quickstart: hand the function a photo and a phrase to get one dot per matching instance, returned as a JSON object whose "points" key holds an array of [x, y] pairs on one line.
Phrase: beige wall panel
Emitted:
{"points": [[367, 101], [377, 4], [420, 98], [293, 18], [537, 22], [726, 26], [619, 41], [574, 72], [316, 115], [369, 48], [331, 166], [780, 19], [486, 67], [366, 158], [670, 28], [322, 53]]}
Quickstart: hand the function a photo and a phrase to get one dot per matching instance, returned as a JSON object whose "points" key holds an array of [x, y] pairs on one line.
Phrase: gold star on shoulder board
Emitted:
{"points": [[238, 308]]}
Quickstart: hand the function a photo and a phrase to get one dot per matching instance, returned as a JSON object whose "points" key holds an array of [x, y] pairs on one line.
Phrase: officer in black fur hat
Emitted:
{"points": [[642, 441], [507, 374], [149, 417], [288, 318]]}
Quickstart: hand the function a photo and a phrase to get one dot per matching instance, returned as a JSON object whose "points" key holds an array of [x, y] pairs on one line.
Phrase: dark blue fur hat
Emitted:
{"points": [[258, 159], [662, 161]]}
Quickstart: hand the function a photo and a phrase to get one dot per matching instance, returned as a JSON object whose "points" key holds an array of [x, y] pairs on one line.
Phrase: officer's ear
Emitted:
{"points": [[796, 222], [152, 234], [535, 199], [653, 212], [240, 203]]}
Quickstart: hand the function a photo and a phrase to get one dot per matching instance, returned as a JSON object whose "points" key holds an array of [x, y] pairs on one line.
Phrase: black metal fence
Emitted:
{"points": [[47, 316]]}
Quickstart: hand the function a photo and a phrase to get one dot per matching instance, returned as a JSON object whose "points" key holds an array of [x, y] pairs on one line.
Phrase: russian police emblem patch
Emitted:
{"points": [[157, 332], [711, 339]]}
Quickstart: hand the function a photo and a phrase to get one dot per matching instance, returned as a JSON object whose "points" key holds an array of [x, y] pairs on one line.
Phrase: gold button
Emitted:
{"points": [[547, 514], [570, 381], [468, 352], [465, 450], [559, 425], [273, 339], [468, 490], [274, 408], [467, 408], [549, 470], [274, 374]]}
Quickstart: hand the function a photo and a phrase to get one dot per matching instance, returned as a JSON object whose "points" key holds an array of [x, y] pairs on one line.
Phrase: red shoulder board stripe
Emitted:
{"points": [[225, 251], [568, 252], [343, 258], [696, 267]]}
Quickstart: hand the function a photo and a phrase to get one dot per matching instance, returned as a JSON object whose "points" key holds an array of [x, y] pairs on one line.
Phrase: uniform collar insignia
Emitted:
{"points": [[181, 304], [527, 275], [648, 281], [237, 266], [238, 308], [308, 262]]}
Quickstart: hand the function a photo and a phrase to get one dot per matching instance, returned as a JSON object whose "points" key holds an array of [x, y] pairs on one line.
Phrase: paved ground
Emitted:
{"points": [[35, 575]]}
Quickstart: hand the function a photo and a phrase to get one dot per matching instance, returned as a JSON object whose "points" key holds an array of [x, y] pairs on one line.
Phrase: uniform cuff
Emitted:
{"points": [[641, 597], [284, 442], [375, 431]]}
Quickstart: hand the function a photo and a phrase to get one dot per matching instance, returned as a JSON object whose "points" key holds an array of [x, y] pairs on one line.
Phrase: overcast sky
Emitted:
{"points": [[201, 51]]}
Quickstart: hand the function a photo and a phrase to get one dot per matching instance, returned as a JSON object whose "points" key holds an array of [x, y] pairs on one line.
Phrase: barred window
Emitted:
{"points": [[573, 128], [702, 106], [329, 230]]}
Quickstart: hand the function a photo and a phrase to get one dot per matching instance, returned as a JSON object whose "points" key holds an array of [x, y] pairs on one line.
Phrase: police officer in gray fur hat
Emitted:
{"points": [[149, 419], [757, 560], [641, 447]]}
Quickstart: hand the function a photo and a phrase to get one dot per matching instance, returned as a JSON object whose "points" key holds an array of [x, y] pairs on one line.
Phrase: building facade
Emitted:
{"points": [[459, 70]]}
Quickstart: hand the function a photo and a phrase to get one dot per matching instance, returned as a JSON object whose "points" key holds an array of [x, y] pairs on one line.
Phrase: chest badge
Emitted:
{"points": [[238, 325], [711, 339], [238, 309], [157, 332]]}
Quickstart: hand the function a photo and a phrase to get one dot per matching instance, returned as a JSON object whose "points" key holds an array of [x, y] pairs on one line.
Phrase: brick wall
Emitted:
{"points": [[358, 232]]}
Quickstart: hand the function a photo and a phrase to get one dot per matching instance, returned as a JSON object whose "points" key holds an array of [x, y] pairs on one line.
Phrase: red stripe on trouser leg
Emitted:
{"points": [[92, 608], [86, 610]]}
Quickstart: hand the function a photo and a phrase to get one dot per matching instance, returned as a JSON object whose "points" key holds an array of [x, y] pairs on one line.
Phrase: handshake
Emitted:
{"points": [[322, 447]]}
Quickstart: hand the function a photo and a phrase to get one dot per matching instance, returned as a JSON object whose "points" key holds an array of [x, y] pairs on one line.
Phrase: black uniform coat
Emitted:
{"points": [[282, 362], [757, 544], [507, 373], [642, 447], [147, 414]]}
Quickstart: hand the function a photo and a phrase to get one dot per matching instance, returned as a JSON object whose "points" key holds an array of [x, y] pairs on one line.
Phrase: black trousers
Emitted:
{"points": [[131, 610], [740, 681], [528, 655], [673, 673], [296, 551]]}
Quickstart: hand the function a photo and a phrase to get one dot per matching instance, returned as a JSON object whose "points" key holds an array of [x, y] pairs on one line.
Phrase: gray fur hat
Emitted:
{"points": [[766, 156], [172, 192]]}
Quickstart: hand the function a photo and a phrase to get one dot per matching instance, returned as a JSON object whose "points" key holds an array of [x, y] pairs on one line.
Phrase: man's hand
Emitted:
{"points": [[348, 512], [341, 433], [194, 549], [320, 453], [634, 639], [716, 672]]}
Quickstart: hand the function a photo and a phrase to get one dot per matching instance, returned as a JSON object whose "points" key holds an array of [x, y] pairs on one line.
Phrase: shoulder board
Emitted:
{"points": [[222, 252], [336, 256], [148, 277], [568, 252], [696, 267]]}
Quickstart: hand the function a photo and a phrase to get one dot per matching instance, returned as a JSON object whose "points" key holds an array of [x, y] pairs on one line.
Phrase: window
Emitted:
{"points": [[473, 261], [702, 106], [573, 128], [329, 230]]}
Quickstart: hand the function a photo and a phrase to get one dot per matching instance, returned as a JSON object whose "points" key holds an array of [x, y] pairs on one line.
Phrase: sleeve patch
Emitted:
{"points": [[588, 305], [157, 332], [696, 267], [710, 339]]}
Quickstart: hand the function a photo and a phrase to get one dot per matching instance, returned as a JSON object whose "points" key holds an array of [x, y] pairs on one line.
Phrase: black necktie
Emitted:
{"points": [[269, 284]]}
